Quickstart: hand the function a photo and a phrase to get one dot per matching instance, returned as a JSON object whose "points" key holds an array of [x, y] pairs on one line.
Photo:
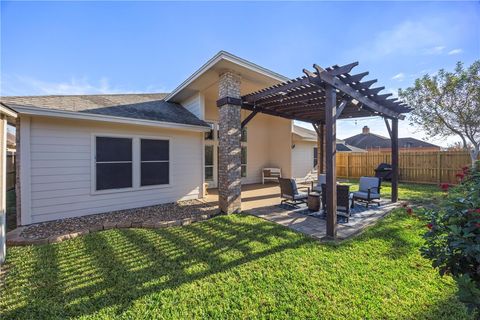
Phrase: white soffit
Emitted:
{"points": [[208, 74]]}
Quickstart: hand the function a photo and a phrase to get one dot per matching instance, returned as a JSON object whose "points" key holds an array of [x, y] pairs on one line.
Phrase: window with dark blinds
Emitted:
{"points": [[113, 162], [155, 162]]}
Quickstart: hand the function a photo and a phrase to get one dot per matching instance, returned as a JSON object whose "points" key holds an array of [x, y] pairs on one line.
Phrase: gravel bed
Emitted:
{"points": [[163, 212]]}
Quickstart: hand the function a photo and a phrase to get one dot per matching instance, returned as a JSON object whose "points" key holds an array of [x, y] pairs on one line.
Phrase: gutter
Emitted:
{"points": [[35, 111]]}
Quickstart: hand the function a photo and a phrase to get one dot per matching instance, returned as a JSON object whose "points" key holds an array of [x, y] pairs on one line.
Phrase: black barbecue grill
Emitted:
{"points": [[384, 171]]}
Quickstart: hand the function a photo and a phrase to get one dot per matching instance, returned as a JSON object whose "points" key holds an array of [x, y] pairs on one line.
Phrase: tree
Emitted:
{"points": [[448, 104]]}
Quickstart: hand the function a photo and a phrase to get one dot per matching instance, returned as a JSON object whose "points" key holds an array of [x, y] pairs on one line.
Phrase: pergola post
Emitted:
{"points": [[330, 160], [321, 149], [229, 167], [394, 145]]}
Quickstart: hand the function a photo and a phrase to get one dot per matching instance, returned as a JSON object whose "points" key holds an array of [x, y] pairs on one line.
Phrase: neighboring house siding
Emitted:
{"points": [[302, 159], [61, 164], [196, 105]]}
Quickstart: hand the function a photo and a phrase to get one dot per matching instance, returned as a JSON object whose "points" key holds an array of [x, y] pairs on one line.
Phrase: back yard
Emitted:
{"points": [[234, 266]]}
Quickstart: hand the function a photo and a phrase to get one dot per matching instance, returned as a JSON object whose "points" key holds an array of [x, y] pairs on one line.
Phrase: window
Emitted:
{"points": [[244, 162], [209, 163], [113, 163], [315, 157], [154, 162]]}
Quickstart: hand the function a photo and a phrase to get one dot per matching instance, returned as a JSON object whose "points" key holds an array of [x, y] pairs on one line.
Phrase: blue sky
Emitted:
{"points": [[118, 47]]}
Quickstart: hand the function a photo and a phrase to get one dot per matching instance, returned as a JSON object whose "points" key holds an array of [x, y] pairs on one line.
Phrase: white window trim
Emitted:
{"points": [[136, 163]]}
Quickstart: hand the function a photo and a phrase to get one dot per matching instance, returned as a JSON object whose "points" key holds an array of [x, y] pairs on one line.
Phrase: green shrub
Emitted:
{"points": [[453, 238]]}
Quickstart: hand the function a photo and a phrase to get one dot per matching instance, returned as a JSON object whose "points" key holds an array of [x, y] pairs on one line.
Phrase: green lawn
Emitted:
{"points": [[230, 267]]}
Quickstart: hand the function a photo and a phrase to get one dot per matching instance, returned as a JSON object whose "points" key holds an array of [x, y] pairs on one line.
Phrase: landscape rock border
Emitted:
{"points": [[14, 237]]}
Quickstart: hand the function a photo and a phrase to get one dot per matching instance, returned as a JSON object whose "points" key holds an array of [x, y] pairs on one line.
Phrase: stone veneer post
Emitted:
{"points": [[229, 171]]}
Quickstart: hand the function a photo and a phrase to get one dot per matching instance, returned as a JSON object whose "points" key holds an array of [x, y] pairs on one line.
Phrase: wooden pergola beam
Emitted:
{"points": [[311, 89], [277, 89], [388, 127], [248, 118], [323, 77], [337, 71]]}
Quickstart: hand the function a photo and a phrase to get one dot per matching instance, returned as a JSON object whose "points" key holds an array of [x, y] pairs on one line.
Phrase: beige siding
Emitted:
{"points": [[257, 148], [269, 143], [280, 145], [61, 169], [302, 158]]}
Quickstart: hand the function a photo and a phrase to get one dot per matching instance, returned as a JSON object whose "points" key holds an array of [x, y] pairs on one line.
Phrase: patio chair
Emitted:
{"points": [[289, 192], [322, 179], [344, 200], [369, 190]]}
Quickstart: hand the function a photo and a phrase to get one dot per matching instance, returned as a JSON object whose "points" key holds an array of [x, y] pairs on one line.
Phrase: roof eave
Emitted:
{"points": [[6, 110], [223, 55], [35, 111]]}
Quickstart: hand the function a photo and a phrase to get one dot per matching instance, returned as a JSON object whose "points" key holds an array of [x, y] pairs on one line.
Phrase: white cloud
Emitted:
{"points": [[399, 76], [25, 85], [455, 51], [407, 38], [434, 50]]}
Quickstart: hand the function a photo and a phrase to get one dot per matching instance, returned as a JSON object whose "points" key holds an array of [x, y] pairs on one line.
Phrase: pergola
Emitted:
{"points": [[321, 98]]}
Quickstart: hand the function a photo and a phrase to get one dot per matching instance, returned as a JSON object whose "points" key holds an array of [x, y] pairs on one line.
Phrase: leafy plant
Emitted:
{"points": [[453, 238], [448, 104]]}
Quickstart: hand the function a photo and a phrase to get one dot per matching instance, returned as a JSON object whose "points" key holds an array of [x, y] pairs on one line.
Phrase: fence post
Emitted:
{"points": [[439, 166], [348, 165]]}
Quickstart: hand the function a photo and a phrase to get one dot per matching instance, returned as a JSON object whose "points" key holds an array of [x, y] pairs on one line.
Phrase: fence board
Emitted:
{"points": [[421, 167]]}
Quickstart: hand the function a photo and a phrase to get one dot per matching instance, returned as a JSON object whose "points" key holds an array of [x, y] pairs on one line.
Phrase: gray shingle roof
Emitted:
{"points": [[372, 141], [136, 106]]}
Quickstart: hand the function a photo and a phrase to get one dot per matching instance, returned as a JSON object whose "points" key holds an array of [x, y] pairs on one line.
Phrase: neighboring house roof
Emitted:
{"points": [[304, 133], [414, 143], [132, 106], [310, 135], [373, 141], [348, 148]]}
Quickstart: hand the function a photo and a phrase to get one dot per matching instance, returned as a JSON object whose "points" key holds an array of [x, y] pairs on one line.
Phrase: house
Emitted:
{"points": [[87, 154], [305, 152], [374, 142], [7, 116]]}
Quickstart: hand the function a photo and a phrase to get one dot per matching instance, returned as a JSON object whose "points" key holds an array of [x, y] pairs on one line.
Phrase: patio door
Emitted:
{"points": [[211, 156]]}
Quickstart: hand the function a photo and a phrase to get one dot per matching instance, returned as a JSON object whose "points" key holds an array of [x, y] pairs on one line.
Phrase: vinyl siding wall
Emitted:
{"points": [[61, 169], [195, 105]]}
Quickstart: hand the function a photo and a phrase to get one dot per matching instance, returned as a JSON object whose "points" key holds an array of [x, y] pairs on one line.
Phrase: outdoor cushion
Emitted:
{"points": [[300, 196], [364, 195], [294, 186], [267, 173], [371, 183], [322, 179]]}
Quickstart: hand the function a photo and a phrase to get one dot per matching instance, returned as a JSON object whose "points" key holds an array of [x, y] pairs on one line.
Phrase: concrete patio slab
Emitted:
{"points": [[263, 201]]}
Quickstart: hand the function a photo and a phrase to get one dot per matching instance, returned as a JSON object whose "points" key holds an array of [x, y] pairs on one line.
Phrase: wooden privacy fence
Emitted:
{"points": [[420, 167]]}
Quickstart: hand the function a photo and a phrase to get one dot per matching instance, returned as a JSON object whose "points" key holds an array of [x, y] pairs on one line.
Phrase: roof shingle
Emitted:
{"points": [[136, 106]]}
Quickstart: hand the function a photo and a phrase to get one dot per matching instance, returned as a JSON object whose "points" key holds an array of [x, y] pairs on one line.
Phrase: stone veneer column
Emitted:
{"points": [[229, 171]]}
